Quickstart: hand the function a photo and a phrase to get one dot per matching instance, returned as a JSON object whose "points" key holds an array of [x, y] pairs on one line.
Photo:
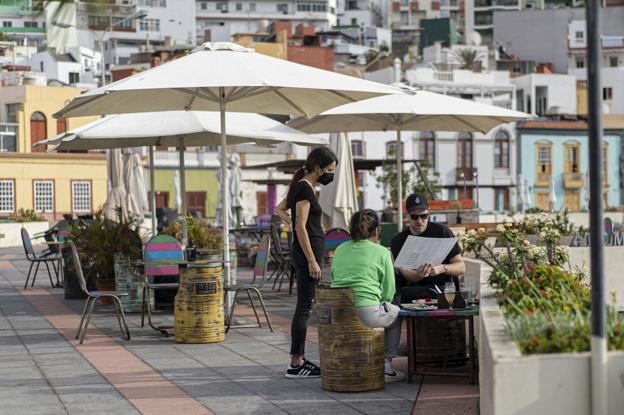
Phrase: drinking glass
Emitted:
{"points": [[449, 293]]}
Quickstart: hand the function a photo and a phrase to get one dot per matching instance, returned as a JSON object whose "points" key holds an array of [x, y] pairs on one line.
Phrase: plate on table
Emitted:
{"points": [[419, 307], [426, 301]]}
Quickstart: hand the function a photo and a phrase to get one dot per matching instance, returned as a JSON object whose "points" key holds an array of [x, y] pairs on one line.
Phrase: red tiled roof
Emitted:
{"points": [[559, 125]]}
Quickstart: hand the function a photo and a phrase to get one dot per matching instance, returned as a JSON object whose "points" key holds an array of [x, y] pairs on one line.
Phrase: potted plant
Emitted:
{"points": [[98, 241], [207, 240]]}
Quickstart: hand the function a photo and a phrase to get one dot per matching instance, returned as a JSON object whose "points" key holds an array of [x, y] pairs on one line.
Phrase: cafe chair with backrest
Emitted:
{"points": [[281, 258], [92, 297], [333, 238], [43, 258], [162, 256], [259, 271]]}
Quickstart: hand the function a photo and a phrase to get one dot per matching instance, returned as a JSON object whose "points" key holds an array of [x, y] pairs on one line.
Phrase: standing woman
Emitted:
{"points": [[306, 214]]}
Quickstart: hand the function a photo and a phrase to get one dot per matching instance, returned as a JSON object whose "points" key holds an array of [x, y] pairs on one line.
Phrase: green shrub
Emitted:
{"points": [[25, 215]]}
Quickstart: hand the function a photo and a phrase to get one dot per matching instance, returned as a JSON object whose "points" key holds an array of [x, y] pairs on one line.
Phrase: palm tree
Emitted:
{"points": [[468, 58]]}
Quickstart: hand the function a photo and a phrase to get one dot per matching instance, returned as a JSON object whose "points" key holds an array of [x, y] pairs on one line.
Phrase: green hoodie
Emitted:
{"points": [[367, 268]]}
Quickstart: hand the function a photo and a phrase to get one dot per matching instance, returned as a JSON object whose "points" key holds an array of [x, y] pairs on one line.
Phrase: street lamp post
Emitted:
{"points": [[136, 16]]}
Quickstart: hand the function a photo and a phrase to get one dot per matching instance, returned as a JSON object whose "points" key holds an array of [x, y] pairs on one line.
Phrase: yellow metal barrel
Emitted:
{"points": [[199, 314]]}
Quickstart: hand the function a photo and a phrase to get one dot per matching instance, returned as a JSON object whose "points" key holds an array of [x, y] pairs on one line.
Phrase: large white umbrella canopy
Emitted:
{"points": [[226, 76], [420, 111], [217, 73], [338, 199], [167, 128]]}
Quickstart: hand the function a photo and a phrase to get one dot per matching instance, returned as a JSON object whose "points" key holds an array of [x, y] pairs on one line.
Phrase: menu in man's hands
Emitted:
{"points": [[417, 251]]}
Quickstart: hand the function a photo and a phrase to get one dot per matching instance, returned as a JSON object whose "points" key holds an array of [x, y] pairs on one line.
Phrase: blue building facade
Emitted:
{"points": [[553, 157]]}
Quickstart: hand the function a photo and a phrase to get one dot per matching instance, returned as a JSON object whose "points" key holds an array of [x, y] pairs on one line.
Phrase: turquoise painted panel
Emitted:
{"points": [[558, 141]]}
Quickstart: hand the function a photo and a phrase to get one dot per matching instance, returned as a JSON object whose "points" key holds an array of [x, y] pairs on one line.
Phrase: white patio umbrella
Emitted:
{"points": [[236, 177], [170, 128], [134, 210], [226, 76], [422, 111], [552, 197], [139, 184], [527, 194], [116, 204], [177, 192], [338, 199]]}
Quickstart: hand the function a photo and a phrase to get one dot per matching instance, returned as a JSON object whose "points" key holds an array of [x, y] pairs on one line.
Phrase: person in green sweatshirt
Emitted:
{"points": [[366, 267]]}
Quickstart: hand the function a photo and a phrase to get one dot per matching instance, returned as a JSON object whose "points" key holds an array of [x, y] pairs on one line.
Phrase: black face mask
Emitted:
{"points": [[326, 178]]}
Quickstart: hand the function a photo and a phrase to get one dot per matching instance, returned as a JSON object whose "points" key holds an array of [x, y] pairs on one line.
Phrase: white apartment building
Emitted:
{"points": [[85, 25], [20, 21], [363, 13], [479, 15], [546, 94], [76, 68], [612, 73], [218, 20]]}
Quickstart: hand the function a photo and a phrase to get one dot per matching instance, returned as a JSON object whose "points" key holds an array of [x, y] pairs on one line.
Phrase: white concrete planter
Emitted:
{"points": [[553, 384], [12, 232]]}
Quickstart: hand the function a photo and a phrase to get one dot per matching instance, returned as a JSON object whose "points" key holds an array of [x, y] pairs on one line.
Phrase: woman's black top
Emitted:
{"points": [[303, 191]]}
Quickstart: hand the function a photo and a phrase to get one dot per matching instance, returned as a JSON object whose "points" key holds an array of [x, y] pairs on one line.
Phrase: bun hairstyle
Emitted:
{"points": [[319, 156], [363, 224]]}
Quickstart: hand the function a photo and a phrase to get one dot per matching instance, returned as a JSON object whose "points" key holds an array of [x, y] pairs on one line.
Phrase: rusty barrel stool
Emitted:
{"points": [[199, 314], [352, 354]]}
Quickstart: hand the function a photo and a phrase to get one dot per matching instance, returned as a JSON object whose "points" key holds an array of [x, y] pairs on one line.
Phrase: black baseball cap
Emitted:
{"points": [[416, 201]]}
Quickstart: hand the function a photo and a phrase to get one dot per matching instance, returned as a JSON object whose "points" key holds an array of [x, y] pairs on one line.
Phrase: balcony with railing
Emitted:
{"points": [[542, 180], [496, 3], [613, 42], [573, 180], [468, 173]]}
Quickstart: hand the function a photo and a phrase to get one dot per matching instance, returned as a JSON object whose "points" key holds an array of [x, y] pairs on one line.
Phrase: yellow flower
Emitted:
{"points": [[566, 308]]}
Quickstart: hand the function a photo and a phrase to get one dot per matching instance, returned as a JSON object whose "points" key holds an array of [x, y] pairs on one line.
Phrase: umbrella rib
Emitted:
{"points": [[244, 92], [343, 96], [279, 94], [210, 96]]}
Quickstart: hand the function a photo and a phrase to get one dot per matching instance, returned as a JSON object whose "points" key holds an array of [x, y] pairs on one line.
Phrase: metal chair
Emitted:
{"points": [[92, 297], [333, 238], [259, 270], [161, 258], [43, 258], [282, 259]]}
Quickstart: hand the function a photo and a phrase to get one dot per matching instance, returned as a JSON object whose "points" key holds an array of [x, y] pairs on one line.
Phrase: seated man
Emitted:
{"points": [[414, 284], [366, 267]]}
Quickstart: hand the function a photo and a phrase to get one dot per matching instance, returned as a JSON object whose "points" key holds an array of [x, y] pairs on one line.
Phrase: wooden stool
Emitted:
{"points": [[352, 354]]}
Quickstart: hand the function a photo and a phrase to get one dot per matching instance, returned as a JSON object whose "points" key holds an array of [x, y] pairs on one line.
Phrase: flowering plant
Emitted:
{"points": [[546, 304]]}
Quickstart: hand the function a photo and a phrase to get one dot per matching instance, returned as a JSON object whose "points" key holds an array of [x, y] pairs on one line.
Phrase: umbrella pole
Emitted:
{"points": [[599, 396], [399, 178], [183, 191], [225, 204], [152, 189]]}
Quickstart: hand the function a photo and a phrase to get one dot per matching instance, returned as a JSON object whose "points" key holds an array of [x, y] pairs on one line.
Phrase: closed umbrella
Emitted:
{"points": [[552, 197], [115, 207], [177, 192], [421, 111], [226, 77], [235, 175], [134, 210], [527, 194], [338, 199], [139, 184]]}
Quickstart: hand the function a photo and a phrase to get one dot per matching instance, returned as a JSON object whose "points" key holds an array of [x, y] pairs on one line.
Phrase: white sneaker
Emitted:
{"points": [[394, 376]]}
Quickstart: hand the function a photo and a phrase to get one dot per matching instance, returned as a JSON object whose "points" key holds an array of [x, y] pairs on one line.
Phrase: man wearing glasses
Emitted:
{"points": [[413, 284]]}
